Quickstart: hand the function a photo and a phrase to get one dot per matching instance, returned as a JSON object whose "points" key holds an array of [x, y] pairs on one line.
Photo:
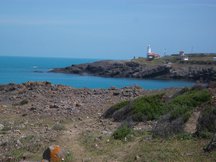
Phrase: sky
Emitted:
{"points": [[106, 29]]}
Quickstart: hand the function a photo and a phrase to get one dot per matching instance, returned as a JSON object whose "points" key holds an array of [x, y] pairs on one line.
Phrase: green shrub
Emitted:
{"points": [[150, 107], [68, 157], [180, 111], [122, 132], [207, 122], [153, 106], [115, 108], [184, 136], [183, 105], [205, 134], [139, 117], [120, 105], [192, 98]]}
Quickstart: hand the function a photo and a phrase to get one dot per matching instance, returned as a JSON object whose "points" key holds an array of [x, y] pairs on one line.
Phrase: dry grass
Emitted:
{"points": [[151, 150]]}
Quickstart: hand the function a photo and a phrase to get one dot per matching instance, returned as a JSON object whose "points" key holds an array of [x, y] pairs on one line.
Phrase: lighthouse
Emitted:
{"points": [[151, 55], [148, 50]]}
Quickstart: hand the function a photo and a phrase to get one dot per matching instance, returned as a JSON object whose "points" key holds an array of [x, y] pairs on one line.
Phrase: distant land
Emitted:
{"points": [[199, 67]]}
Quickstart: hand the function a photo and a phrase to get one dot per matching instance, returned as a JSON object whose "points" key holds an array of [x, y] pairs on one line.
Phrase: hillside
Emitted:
{"points": [[35, 115]]}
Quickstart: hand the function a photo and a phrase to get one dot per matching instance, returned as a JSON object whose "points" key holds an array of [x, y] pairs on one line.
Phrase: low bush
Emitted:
{"points": [[114, 108], [153, 107], [149, 107], [183, 105], [207, 122], [122, 132]]}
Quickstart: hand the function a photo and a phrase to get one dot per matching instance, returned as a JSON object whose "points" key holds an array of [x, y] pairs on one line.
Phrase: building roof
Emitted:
{"points": [[153, 54]]}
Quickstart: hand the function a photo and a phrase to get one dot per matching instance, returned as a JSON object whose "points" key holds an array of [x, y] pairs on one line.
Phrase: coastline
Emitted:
{"points": [[147, 70]]}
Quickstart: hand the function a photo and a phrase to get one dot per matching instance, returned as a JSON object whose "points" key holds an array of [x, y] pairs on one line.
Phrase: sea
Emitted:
{"points": [[24, 69]]}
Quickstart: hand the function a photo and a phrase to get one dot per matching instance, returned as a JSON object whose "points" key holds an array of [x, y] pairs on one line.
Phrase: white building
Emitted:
{"points": [[151, 55]]}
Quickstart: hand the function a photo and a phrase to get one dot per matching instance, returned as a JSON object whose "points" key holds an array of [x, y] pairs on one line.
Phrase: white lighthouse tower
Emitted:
{"points": [[148, 49]]}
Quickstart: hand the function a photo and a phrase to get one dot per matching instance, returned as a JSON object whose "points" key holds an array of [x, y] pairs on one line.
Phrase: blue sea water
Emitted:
{"points": [[23, 69]]}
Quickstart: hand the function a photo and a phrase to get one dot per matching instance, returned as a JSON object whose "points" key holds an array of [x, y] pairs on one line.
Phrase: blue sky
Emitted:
{"points": [[114, 29]]}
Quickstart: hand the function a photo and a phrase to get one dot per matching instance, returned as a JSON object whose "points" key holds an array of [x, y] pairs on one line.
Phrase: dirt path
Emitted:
{"points": [[70, 140]]}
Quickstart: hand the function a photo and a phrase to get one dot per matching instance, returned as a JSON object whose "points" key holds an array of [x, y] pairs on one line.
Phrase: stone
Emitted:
{"points": [[32, 109], [54, 106], [137, 157], [78, 104], [116, 93], [54, 153], [1, 127], [96, 145], [19, 143]]}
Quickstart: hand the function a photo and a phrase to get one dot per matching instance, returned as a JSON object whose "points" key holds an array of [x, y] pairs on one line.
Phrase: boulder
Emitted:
{"points": [[53, 153]]}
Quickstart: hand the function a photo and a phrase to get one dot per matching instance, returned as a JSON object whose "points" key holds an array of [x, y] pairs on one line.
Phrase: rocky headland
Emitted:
{"points": [[157, 69]]}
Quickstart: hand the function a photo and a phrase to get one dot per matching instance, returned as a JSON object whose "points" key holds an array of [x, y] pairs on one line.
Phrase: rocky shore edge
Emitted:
{"points": [[146, 70]]}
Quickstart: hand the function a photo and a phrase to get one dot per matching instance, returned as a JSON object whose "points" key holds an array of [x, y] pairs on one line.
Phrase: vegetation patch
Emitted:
{"points": [[17, 154], [27, 139], [144, 148], [169, 150], [153, 106], [180, 110], [207, 122], [122, 132], [114, 108], [69, 157], [184, 136], [183, 105], [149, 107]]}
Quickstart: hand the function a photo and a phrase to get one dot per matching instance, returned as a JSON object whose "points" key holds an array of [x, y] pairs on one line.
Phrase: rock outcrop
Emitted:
{"points": [[117, 69], [133, 69]]}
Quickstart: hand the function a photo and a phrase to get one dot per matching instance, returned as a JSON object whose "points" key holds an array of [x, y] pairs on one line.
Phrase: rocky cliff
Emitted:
{"points": [[133, 69]]}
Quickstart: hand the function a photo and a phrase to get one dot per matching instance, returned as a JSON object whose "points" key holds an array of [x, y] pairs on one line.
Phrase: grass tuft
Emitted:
{"points": [[122, 132]]}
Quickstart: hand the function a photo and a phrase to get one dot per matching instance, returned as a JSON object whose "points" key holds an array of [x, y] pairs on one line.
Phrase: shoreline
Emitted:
{"points": [[136, 70]]}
